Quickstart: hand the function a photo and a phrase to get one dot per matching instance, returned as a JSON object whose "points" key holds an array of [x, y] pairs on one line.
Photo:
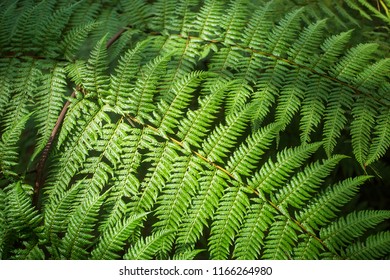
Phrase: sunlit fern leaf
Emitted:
{"points": [[339, 102], [250, 239], [96, 78], [256, 31], [141, 103], [302, 186], [227, 220], [79, 235], [284, 33], [108, 145], [345, 230], [197, 122], [203, 205], [246, 157], [206, 24], [325, 206], [174, 104], [20, 214], [308, 249], [50, 99], [122, 81], [309, 41], [57, 213], [273, 174], [176, 196], [83, 138], [222, 139], [161, 160], [267, 90], [361, 127], [113, 239], [146, 248], [280, 242], [234, 20], [375, 246], [313, 107]]}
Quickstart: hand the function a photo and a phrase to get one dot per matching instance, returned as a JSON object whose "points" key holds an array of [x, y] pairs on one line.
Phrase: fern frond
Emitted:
{"points": [[122, 82], [381, 138], [250, 238], [9, 149], [304, 184], [273, 174], [74, 38], [246, 157], [146, 248], [176, 196], [375, 246], [281, 240], [227, 220], [50, 99], [31, 251], [79, 235], [172, 107], [223, 138], [197, 123], [345, 230], [203, 205], [327, 204], [308, 249], [161, 159], [20, 214], [96, 78], [284, 33], [361, 126], [113, 239], [206, 23], [145, 87]]}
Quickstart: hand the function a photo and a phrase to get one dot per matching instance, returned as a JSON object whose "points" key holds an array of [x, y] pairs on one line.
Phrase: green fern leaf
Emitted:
{"points": [[112, 241], [345, 230], [227, 220], [146, 248], [375, 246], [282, 239], [250, 239], [79, 234]]}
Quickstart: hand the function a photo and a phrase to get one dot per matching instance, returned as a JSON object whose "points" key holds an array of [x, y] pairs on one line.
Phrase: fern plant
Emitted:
{"points": [[188, 129]]}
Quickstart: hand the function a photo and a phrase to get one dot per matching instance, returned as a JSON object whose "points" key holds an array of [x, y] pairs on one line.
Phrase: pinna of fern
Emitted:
{"points": [[179, 148]]}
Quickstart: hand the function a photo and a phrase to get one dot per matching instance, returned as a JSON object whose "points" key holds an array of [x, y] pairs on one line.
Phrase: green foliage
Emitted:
{"points": [[193, 129]]}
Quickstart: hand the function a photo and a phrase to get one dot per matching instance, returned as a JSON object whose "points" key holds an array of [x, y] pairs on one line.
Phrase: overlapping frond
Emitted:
{"points": [[196, 129]]}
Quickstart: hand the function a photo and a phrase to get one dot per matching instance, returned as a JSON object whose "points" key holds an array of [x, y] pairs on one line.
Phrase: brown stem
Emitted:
{"points": [[60, 119]]}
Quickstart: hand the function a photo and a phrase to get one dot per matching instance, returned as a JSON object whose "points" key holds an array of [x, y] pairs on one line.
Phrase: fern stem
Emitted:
{"points": [[60, 119]]}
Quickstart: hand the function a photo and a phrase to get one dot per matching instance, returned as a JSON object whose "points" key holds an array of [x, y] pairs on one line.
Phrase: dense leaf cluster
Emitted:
{"points": [[192, 129]]}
